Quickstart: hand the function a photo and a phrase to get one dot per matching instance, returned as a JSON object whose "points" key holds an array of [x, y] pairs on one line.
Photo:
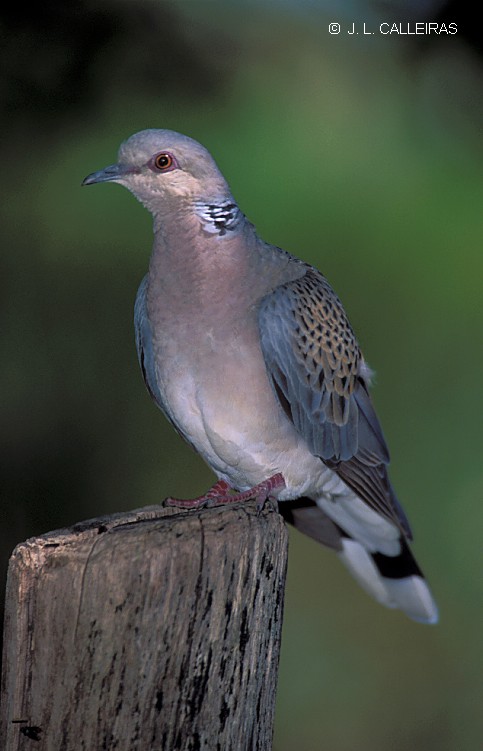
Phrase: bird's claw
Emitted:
{"points": [[221, 494]]}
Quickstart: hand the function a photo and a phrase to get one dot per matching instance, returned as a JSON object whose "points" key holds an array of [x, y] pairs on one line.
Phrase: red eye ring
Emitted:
{"points": [[164, 162]]}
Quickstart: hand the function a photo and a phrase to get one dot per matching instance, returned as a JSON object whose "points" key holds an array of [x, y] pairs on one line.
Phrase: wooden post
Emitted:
{"points": [[154, 630]]}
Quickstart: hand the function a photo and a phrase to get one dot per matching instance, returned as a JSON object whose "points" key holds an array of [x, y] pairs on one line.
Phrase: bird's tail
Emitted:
{"points": [[395, 580]]}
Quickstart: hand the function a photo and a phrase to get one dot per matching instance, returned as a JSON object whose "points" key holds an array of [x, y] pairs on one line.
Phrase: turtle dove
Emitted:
{"points": [[249, 353]]}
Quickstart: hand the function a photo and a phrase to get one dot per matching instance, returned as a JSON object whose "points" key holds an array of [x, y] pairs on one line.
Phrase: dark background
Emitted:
{"points": [[361, 154]]}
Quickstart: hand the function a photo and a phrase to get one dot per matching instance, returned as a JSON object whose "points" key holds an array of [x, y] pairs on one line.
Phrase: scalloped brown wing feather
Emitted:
{"points": [[319, 376]]}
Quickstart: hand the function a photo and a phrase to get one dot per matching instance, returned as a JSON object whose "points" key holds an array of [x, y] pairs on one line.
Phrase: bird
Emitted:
{"points": [[248, 352]]}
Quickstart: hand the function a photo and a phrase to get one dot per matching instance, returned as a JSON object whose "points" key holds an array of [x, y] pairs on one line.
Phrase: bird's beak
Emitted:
{"points": [[112, 173]]}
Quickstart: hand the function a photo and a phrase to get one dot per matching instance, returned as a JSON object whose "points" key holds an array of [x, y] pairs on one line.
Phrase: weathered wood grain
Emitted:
{"points": [[155, 629]]}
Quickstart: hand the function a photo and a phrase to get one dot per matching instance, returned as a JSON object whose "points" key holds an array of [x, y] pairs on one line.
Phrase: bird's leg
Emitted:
{"points": [[259, 493], [221, 494], [219, 489]]}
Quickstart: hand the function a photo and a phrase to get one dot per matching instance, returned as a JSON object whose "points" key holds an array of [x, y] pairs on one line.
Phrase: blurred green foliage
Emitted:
{"points": [[363, 157]]}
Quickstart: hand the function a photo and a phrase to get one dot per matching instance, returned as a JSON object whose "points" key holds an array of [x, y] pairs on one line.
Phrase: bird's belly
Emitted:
{"points": [[232, 418]]}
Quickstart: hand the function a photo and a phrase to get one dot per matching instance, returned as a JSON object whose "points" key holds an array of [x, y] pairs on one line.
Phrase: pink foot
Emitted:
{"points": [[219, 489], [221, 493]]}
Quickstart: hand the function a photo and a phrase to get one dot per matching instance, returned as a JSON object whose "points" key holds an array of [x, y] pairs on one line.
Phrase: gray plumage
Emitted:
{"points": [[250, 355]]}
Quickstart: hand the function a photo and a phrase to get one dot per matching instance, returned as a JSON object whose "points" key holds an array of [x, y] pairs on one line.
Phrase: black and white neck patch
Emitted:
{"points": [[219, 218]]}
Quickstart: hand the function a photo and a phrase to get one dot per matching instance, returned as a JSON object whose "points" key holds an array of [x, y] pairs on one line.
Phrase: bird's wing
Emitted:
{"points": [[144, 344], [319, 376], [144, 347]]}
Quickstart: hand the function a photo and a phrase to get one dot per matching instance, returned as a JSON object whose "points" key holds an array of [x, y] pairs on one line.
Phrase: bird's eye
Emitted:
{"points": [[164, 162]]}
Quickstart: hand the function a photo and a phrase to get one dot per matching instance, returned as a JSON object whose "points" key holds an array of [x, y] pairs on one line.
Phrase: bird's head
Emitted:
{"points": [[162, 166]]}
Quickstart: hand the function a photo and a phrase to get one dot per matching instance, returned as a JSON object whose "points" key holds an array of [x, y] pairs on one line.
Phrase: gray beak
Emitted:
{"points": [[112, 173]]}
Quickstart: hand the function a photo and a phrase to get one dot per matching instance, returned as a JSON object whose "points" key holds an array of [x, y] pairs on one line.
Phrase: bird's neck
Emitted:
{"points": [[218, 217], [199, 245], [208, 264], [215, 216]]}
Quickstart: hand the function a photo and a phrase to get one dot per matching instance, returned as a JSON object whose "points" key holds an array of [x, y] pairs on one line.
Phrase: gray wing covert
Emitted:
{"points": [[317, 372], [144, 344]]}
